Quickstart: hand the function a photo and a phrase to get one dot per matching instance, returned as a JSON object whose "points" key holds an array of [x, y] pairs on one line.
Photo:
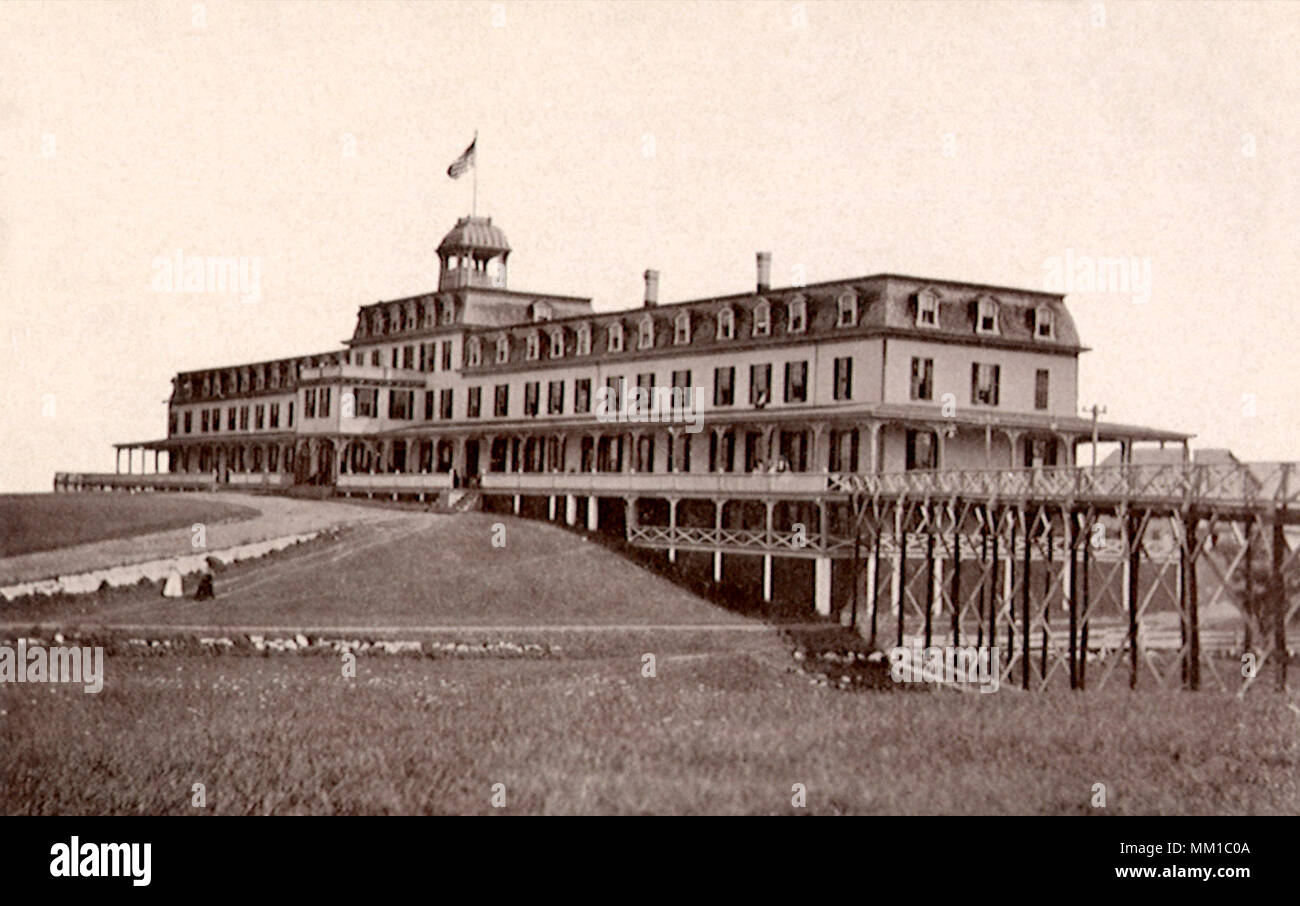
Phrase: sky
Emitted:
{"points": [[991, 143]]}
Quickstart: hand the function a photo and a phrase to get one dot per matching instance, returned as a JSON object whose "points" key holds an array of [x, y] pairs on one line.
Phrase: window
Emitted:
{"points": [[927, 308], [645, 386], [393, 356], [760, 385], [446, 355], [682, 328], [682, 379], [366, 401], [259, 417], [724, 386], [727, 323], [501, 402], [534, 347], [846, 307], [541, 311], [986, 315], [444, 403], [844, 378], [401, 404], [531, 391], [762, 319], [797, 315], [171, 423], [584, 339], [796, 382], [582, 395], [428, 405], [984, 384], [375, 359], [646, 333], [449, 313], [1044, 329], [408, 357], [1040, 388], [614, 396], [275, 415], [616, 337], [308, 405], [203, 422], [230, 419], [290, 422], [557, 343], [503, 350], [189, 421], [473, 402], [922, 450], [922, 379], [425, 362], [555, 398], [324, 409], [474, 357]]}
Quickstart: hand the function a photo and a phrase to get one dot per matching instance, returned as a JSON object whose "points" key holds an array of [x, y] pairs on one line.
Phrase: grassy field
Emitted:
{"points": [[416, 569], [714, 732], [39, 522], [731, 721]]}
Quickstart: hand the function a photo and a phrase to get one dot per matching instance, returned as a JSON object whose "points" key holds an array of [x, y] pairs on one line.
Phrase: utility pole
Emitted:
{"points": [[1094, 410]]}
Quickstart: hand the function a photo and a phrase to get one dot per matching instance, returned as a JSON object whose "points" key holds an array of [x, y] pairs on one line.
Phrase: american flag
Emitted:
{"points": [[464, 162]]}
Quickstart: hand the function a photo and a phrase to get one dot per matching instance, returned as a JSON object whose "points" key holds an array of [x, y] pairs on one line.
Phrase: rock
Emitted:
{"points": [[205, 590]]}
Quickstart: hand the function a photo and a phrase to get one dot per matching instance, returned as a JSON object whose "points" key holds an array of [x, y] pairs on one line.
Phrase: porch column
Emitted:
{"points": [[672, 527], [822, 586], [570, 509], [717, 553], [873, 429]]}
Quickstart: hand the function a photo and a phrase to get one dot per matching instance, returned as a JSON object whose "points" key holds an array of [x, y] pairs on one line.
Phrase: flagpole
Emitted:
{"points": [[473, 211]]}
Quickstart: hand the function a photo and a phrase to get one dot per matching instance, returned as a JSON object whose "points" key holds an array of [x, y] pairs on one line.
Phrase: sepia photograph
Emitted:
{"points": [[649, 408]]}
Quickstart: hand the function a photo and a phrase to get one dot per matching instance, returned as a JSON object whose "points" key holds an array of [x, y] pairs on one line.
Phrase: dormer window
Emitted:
{"points": [[646, 333], [584, 339], [430, 313], [846, 307], [541, 311], [615, 337], [797, 315], [534, 347], [1044, 323], [986, 315], [503, 350], [449, 313], [762, 319], [682, 328], [927, 309], [474, 353], [727, 324], [557, 343]]}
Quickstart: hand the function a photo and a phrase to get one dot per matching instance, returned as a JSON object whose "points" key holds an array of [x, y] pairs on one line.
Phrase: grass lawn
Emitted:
{"points": [[413, 570], [711, 733], [39, 522]]}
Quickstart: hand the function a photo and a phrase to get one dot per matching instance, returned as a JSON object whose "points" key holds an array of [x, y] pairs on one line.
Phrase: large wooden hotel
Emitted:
{"points": [[480, 394]]}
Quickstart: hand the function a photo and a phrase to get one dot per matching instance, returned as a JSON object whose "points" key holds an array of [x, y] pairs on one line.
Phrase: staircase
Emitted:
{"points": [[462, 501]]}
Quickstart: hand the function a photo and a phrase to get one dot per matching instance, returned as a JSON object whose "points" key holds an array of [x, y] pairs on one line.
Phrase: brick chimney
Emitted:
{"points": [[764, 271], [651, 288]]}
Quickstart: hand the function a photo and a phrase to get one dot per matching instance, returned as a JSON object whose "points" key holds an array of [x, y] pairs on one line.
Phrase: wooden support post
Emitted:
{"points": [[1083, 608], [1279, 601], [955, 594], [1071, 542], [1046, 609], [857, 545], [1193, 605], [1025, 591], [900, 570], [874, 580], [929, 585], [1131, 548]]}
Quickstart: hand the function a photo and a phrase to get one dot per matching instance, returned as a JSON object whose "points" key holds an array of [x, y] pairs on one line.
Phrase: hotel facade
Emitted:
{"points": [[760, 403]]}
